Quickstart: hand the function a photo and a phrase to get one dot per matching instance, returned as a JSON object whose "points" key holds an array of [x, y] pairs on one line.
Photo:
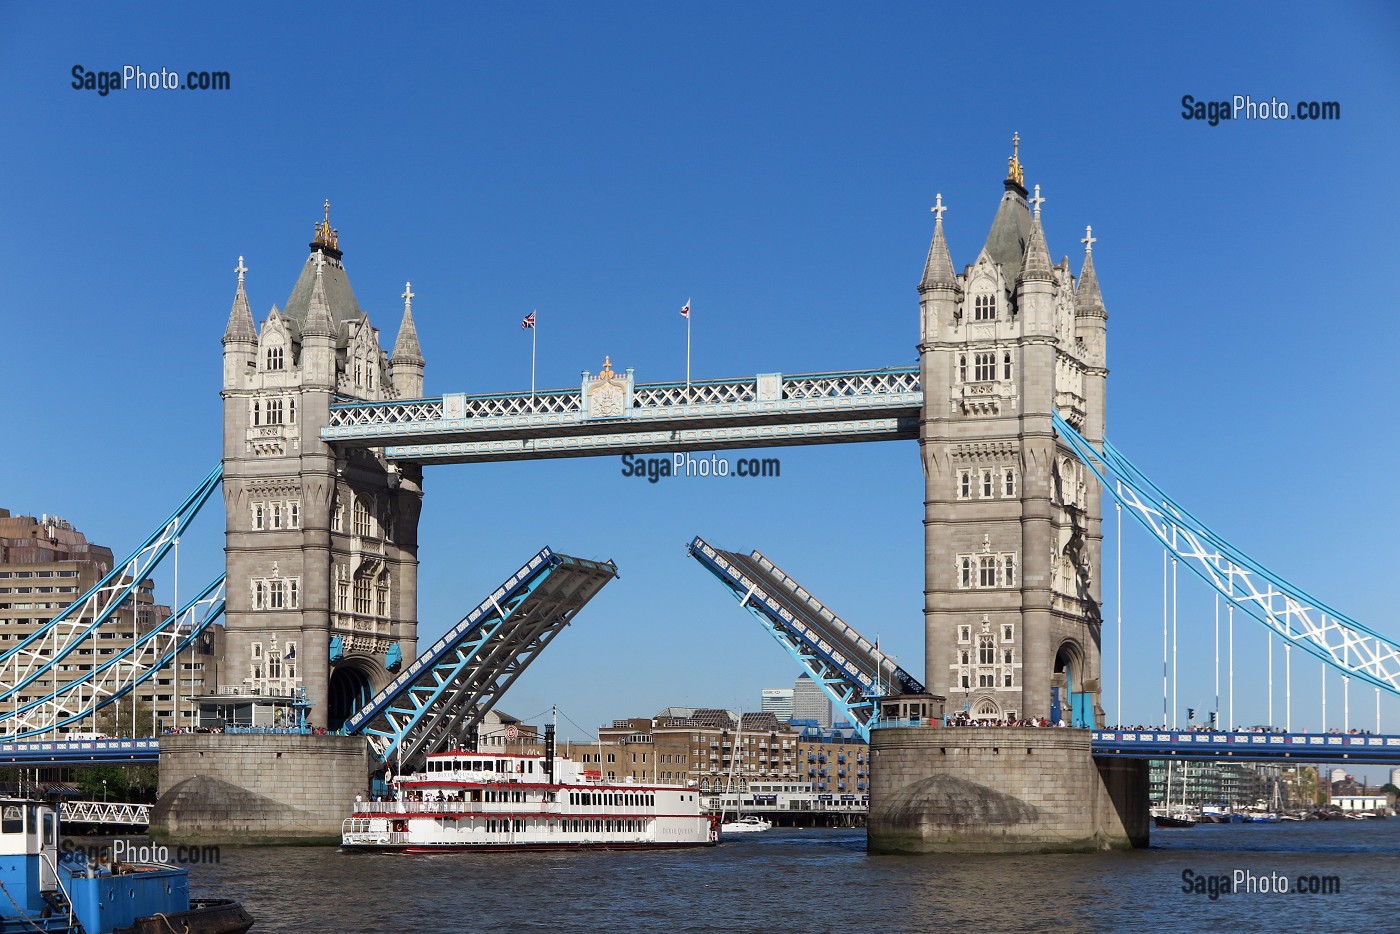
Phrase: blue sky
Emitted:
{"points": [[775, 163]]}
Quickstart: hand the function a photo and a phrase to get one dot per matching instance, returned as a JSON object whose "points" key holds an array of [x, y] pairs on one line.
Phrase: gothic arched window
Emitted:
{"points": [[986, 652], [984, 307], [275, 358]]}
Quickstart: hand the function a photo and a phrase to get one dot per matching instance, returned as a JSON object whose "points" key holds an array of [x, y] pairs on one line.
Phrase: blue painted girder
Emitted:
{"points": [[846, 666], [446, 691], [117, 585], [178, 632]]}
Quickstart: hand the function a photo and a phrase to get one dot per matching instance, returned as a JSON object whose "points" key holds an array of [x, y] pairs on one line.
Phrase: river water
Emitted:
{"points": [[793, 881]]}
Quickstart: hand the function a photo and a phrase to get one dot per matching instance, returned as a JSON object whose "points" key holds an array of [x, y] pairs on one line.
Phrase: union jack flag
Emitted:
{"points": [[685, 309], [527, 322]]}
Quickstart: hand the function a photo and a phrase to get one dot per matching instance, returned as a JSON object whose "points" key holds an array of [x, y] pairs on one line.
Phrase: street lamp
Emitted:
{"points": [[104, 791]]}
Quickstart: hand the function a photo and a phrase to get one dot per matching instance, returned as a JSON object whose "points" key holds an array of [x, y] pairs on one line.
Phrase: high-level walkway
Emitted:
{"points": [[610, 414]]}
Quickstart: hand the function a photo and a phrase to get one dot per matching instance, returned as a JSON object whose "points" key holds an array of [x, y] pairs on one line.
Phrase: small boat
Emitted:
{"points": [[1175, 819], [750, 824], [73, 893], [1168, 816]]}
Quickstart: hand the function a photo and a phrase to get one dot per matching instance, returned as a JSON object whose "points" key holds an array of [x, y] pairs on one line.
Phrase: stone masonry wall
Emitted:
{"points": [[1001, 789], [223, 788]]}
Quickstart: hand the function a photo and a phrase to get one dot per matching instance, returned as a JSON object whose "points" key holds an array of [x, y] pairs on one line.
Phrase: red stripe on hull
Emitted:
{"points": [[418, 850]]}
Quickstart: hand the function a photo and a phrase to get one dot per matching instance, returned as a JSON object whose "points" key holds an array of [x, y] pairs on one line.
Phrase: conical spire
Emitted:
{"points": [[318, 314], [1088, 301], [938, 269], [406, 349], [240, 317], [1036, 264]]}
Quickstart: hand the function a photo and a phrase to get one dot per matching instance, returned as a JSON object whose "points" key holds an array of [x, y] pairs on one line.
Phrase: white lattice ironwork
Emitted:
{"points": [[111, 677], [116, 813], [371, 413], [31, 660], [706, 393], [1285, 609], [851, 385]]}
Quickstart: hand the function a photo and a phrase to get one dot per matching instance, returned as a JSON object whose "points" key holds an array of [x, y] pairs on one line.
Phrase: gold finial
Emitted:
{"points": [[607, 369], [1014, 172], [325, 234]]}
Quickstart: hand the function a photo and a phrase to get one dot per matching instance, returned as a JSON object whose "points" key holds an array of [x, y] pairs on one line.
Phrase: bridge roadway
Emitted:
{"points": [[1360, 748], [610, 414]]}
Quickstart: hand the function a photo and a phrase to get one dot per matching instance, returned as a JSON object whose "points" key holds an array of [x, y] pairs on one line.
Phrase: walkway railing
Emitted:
{"points": [[102, 812], [1187, 744]]}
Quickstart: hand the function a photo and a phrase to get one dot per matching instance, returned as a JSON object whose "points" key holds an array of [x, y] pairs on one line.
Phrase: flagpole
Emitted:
{"points": [[687, 345], [533, 328]]}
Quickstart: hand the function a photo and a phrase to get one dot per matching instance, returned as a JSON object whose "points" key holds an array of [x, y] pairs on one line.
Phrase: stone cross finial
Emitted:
{"points": [[1088, 239], [1037, 201], [240, 270], [320, 261], [938, 206], [407, 294]]}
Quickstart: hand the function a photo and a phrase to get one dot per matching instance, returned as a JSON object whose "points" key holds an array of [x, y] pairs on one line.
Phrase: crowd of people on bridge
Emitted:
{"points": [[965, 718], [1201, 728]]}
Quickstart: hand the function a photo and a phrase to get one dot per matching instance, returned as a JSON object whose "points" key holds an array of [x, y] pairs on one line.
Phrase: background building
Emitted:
{"points": [[46, 565], [809, 703], [778, 702]]}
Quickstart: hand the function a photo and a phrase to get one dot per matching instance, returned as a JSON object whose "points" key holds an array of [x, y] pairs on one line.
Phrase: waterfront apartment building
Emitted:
{"points": [[45, 565], [1236, 784], [705, 748]]}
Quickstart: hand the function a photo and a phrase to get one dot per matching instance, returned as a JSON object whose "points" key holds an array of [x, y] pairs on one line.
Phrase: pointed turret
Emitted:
{"points": [[1088, 301], [318, 310], [406, 363], [938, 268], [240, 318], [1035, 266], [240, 337], [406, 349], [318, 335], [938, 291]]}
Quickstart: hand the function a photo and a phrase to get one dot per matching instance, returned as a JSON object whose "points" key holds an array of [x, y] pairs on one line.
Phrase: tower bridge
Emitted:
{"points": [[326, 435]]}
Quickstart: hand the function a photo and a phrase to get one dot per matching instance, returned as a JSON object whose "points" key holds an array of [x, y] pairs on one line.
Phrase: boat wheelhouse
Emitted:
{"points": [[469, 800]]}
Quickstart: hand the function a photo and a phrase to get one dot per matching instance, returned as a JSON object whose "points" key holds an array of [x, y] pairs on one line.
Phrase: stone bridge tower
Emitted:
{"points": [[321, 545], [1012, 520]]}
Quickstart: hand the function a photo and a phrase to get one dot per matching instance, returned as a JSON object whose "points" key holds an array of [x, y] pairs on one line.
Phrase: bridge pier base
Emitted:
{"points": [[1001, 790], [257, 789]]}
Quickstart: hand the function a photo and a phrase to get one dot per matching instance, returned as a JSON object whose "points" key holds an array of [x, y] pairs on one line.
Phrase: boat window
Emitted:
{"points": [[12, 820], [48, 828]]}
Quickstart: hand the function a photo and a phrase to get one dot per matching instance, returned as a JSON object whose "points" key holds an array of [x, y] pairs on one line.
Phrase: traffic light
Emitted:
{"points": [[1212, 719], [1190, 714]]}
